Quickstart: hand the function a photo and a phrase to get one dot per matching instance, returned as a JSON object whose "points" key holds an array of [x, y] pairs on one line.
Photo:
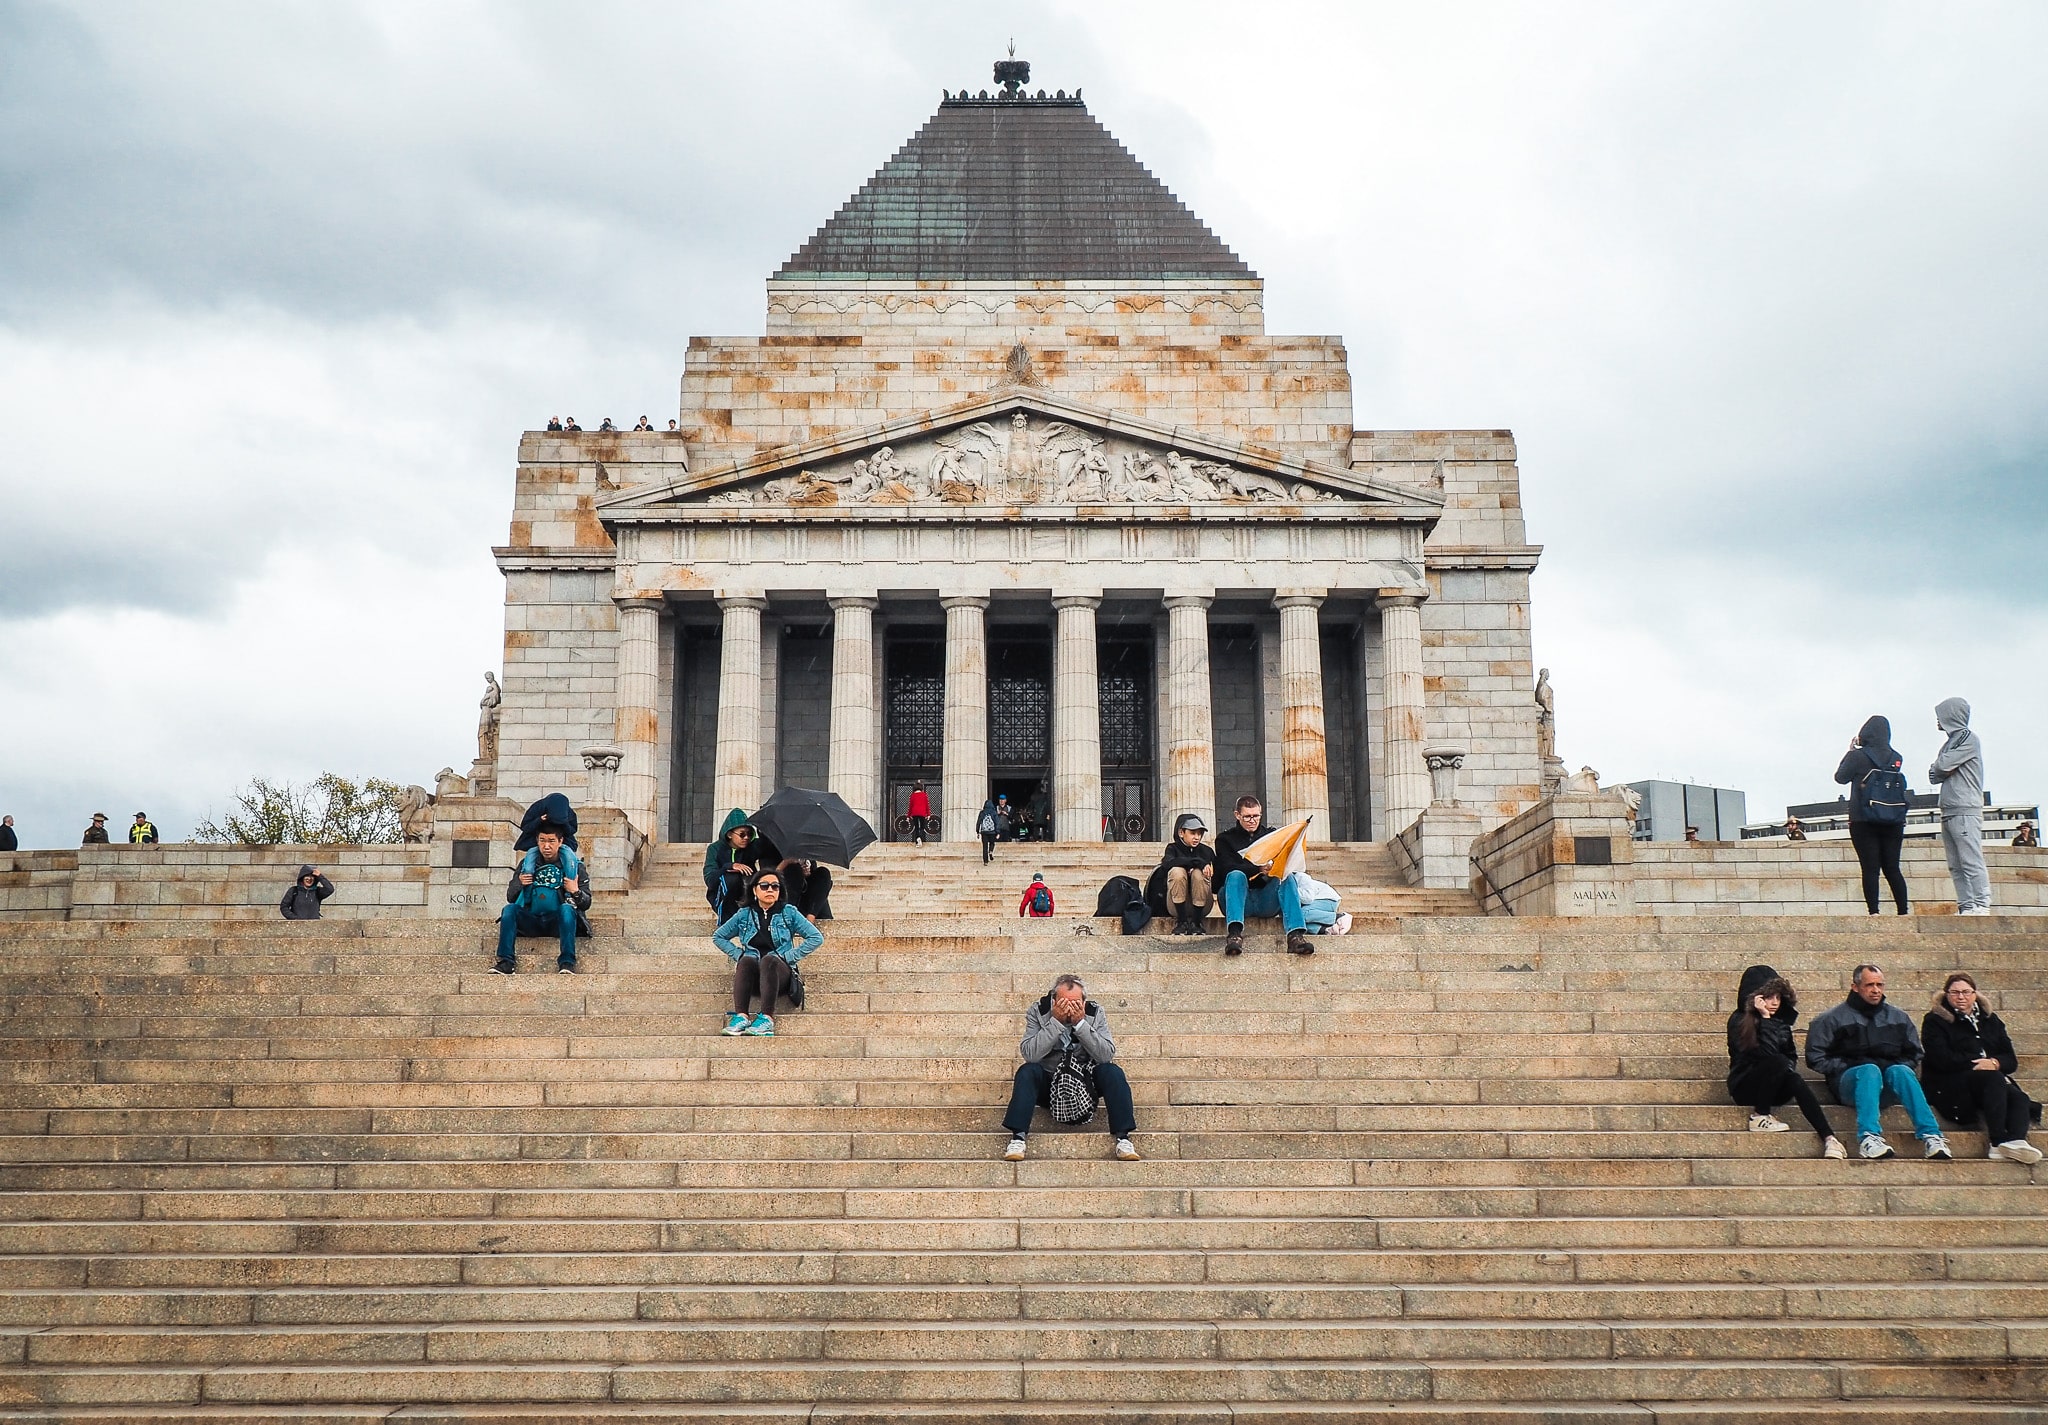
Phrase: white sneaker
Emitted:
{"points": [[1015, 1152], [1343, 926], [1832, 1148], [1875, 1147], [1126, 1151], [1976, 910], [2019, 1150], [1937, 1149], [1765, 1123]]}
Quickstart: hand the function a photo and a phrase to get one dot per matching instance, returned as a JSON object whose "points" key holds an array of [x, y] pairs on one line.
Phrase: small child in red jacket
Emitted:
{"points": [[1037, 902]]}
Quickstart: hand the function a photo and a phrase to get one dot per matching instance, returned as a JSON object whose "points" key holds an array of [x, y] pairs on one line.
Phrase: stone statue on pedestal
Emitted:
{"points": [[415, 815], [483, 774], [1546, 734]]}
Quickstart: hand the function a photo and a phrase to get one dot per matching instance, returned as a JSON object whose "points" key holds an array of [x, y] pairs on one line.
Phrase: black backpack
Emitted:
{"points": [[1117, 892], [1884, 795], [1041, 899]]}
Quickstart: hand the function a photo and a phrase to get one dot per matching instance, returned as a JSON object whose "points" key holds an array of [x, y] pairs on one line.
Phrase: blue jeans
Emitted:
{"points": [[1320, 917], [515, 921], [1867, 1089], [1279, 898]]}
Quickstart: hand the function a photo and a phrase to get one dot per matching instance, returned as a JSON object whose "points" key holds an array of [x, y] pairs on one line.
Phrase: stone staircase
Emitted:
{"points": [[1449, 1169]]}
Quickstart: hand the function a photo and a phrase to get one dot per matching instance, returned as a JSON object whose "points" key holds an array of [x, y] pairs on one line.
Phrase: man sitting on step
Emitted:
{"points": [[542, 899], [1069, 1063], [1248, 890], [1867, 1049]]}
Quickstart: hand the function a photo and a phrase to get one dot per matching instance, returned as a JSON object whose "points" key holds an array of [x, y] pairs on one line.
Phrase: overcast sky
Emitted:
{"points": [[1759, 289]]}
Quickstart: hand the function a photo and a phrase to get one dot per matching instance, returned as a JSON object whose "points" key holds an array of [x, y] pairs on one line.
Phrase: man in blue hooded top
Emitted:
{"points": [[542, 896]]}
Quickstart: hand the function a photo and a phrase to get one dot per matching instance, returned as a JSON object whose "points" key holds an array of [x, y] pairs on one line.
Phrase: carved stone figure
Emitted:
{"points": [[448, 783], [487, 721], [1583, 780], [1546, 716], [415, 815], [1018, 464]]}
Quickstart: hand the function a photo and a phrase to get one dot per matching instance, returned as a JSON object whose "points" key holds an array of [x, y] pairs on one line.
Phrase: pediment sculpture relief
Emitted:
{"points": [[1022, 463]]}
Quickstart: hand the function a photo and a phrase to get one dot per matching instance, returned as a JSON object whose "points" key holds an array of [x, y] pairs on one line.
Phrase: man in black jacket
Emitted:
{"points": [[1867, 1049], [1248, 890]]}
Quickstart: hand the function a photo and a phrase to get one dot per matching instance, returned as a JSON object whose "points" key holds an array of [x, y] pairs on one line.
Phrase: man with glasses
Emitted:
{"points": [[1867, 1048]]}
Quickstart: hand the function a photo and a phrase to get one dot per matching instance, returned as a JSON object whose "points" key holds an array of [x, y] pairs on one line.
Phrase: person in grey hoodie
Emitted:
{"points": [[1959, 769], [1062, 1021]]}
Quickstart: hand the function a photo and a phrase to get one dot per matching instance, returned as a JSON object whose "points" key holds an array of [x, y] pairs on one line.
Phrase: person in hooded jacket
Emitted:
{"points": [[1763, 1062], [1877, 832], [1968, 1070], [1866, 1048], [729, 862], [1190, 867], [1959, 768], [989, 824], [302, 901], [764, 940]]}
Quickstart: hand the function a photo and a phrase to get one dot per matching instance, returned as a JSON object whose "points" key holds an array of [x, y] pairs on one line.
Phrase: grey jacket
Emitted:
{"points": [[1845, 1036], [1044, 1036], [1959, 766]]}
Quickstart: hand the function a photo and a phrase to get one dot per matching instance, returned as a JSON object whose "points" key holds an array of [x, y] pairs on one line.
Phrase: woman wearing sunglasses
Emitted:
{"points": [[764, 939]]}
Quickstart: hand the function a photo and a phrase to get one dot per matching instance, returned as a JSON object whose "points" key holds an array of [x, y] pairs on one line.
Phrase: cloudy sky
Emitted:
{"points": [[1759, 288]]}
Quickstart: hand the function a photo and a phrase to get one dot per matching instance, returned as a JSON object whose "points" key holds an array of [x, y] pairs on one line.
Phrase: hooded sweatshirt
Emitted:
{"points": [[719, 854], [1873, 752], [1959, 766], [302, 902]]}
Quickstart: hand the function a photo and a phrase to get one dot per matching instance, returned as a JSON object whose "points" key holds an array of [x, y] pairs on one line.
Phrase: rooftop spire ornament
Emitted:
{"points": [[1013, 73]]}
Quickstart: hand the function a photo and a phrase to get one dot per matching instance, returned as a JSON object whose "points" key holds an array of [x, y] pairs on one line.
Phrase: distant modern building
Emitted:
{"points": [[1829, 821], [1668, 808]]}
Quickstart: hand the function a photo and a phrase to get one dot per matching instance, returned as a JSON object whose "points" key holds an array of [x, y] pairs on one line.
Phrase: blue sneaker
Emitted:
{"points": [[762, 1028], [735, 1024]]}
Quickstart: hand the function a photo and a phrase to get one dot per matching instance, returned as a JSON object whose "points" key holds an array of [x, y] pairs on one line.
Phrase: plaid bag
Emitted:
{"points": [[1072, 1095]]}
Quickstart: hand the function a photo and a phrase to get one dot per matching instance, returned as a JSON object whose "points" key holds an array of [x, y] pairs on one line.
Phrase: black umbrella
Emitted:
{"points": [[814, 826]]}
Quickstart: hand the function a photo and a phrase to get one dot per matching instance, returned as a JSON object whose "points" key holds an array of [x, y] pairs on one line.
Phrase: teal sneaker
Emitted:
{"points": [[736, 1024], [762, 1028]]}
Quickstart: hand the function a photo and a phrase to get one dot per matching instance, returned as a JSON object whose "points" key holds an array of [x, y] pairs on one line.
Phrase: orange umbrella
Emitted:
{"points": [[1280, 852]]}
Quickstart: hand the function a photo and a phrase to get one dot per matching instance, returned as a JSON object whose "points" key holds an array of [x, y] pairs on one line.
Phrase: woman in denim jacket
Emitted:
{"points": [[764, 939]]}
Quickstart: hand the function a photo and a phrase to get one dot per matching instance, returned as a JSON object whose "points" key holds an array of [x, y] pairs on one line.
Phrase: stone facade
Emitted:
{"points": [[1013, 473]]}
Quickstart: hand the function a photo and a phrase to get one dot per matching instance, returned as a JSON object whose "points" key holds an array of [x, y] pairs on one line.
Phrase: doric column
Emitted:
{"points": [[1401, 732], [637, 721], [1304, 762], [856, 713], [1076, 722], [964, 774], [736, 780], [1189, 783]]}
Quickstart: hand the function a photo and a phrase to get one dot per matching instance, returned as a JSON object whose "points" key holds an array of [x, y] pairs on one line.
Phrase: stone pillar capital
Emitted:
{"points": [[1077, 601], [964, 601], [640, 601], [743, 601], [1399, 599], [1298, 599], [1188, 601], [854, 601]]}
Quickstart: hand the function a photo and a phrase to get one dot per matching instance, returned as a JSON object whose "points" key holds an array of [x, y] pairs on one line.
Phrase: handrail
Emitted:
{"points": [[1490, 886]]}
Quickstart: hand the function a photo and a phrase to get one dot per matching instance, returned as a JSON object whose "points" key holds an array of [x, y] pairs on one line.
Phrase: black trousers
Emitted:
{"points": [[1761, 1090], [767, 973], [917, 828], [1033, 1089], [1877, 849], [2002, 1108], [988, 847]]}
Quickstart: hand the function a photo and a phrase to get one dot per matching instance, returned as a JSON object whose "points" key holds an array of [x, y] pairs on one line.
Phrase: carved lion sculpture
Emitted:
{"points": [[1583, 780], [415, 815]]}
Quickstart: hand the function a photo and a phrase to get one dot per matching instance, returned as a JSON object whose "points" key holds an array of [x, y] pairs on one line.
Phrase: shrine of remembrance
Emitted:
{"points": [[1016, 494]]}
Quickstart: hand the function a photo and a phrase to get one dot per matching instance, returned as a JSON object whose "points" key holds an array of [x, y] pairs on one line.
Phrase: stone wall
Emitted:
{"points": [[36, 885], [188, 880]]}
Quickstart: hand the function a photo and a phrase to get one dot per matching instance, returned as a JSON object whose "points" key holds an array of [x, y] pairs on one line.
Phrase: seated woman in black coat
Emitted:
{"points": [[1968, 1070], [1763, 1064]]}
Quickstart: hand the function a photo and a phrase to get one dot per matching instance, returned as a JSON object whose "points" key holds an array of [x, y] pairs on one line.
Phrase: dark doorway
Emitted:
{"points": [[1020, 724], [1344, 734], [1123, 672], [1238, 717], [803, 708], [914, 723], [693, 750]]}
